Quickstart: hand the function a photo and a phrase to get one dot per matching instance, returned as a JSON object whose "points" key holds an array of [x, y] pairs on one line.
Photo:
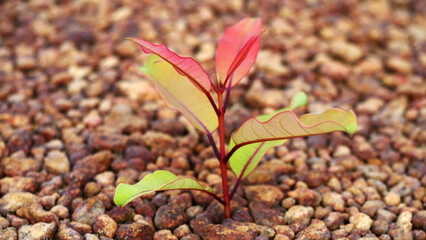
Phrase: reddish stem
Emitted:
{"points": [[222, 156]]}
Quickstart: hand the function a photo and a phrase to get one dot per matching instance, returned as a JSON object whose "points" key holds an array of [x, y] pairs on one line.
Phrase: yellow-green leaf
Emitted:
{"points": [[285, 125], [181, 94], [247, 157], [158, 181]]}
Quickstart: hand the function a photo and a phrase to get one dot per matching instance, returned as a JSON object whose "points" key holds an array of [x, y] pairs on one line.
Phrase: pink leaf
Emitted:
{"points": [[237, 50], [185, 66]]}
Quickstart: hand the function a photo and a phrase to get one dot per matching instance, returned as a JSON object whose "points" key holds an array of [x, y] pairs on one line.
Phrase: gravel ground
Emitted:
{"points": [[74, 122]]}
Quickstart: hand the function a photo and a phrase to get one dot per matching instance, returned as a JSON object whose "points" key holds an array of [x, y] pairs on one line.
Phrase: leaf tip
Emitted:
{"points": [[353, 125]]}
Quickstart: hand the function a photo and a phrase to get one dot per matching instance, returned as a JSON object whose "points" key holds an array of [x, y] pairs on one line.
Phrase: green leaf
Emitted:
{"points": [[246, 158], [158, 181], [181, 94]]}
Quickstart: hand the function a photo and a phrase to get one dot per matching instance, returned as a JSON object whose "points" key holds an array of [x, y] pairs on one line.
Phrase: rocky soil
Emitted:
{"points": [[75, 122]]}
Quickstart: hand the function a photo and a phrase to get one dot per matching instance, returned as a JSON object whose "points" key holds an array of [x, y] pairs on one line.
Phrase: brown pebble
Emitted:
{"points": [[105, 226], [170, 217], [135, 231]]}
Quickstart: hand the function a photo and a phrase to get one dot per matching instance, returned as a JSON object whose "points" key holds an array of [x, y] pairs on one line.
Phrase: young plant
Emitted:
{"points": [[186, 87]]}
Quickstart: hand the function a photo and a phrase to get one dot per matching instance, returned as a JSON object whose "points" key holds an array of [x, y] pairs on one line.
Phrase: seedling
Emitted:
{"points": [[186, 87]]}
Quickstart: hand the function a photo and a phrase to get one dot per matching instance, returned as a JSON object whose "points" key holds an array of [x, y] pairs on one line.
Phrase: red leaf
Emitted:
{"points": [[237, 50], [185, 66]]}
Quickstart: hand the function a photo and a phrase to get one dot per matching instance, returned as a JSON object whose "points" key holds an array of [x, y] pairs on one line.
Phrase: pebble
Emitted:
{"points": [[404, 220], [268, 194], [4, 223], [18, 164], [135, 231], [182, 231], [419, 220], [88, 210], [170, 217], [380, 227], [164, 234], [34, 212], [306, 197], [370, 207], [17, 184], [298, 217], [401, 234], [56, 162], [264, 215], [232, 230], [8, 234], [11, 202], [316, 231], [38, 231], [334, 200], [67, 233], [392, 198], [284, 230], [334, 220], [399, 65], [347, 51], [361, 221], [105, 226], [60, 211]]}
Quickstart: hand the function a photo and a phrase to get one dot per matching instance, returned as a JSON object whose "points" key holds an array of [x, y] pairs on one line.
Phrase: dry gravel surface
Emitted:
{"points": [[75, 122]]}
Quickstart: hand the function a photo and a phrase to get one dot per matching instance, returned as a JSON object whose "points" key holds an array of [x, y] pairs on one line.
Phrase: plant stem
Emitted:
{"points": [[222, 156]]}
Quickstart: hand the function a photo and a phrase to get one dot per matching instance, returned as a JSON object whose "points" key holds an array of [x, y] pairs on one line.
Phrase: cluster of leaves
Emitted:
{"points": [[186, 87]]}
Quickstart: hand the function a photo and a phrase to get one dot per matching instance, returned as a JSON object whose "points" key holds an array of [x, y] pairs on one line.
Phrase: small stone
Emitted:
{"points": [[298, 217], [402, 234], [361, 221], [288, 202], [316, 231], [191, 236], [61, 211], [8, 234], [56, 162], [135, 231], [4, 223], [34, 212], [105, 226], [306, 197], [264, 215], [370, 106], [370, 207], [67, 233], [392, 198], [268, 232], [193, 211], [399, 65], [334, 220], [419, 220], [182, 231], [268, 194], [404, 220], [164, 234], [89, 236], [170, 217], [105, 178], [18, 164], [347, 51], [232, 231], [419, 235], [81, 228], [17, 184], [334, 200], [38, 231], [284, 230], [335, 70], [380, 227], [87, 211]]}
